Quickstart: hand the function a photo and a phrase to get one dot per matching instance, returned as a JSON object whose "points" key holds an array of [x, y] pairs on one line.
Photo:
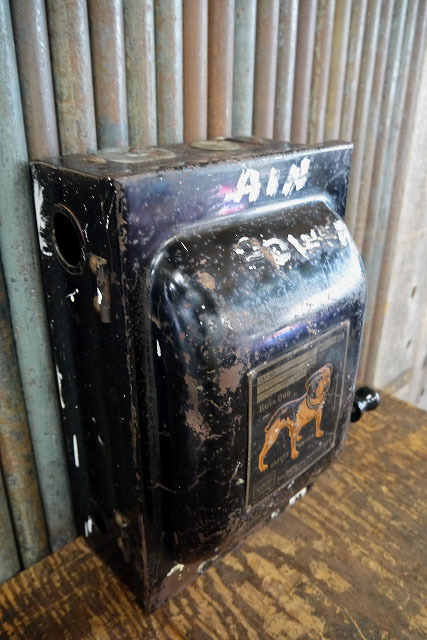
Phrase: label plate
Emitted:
{"points": [[294, 404]]}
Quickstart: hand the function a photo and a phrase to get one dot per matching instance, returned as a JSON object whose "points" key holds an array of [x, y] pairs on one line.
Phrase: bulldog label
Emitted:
{"points": [[294, 404]]}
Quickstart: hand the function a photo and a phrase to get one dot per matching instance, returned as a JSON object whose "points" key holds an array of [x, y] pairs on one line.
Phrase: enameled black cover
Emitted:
{"points": [[206, 331]]}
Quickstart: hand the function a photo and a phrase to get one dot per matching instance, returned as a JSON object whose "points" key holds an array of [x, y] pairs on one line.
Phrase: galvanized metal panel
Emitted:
{"points": [[400, 310], [9, 560], [35, 75], [168, 24], [354, 55], [372, 254], [20, 257], [367, 68], [195, 28], [285, 75], [244, 66], [72, 75], [140, 71], [303, 70], [405, 239], [265, 67], [16, 455], [374, 259], [338, 61], [109, 71], [320, 75], [220, 82], [362, 190]]}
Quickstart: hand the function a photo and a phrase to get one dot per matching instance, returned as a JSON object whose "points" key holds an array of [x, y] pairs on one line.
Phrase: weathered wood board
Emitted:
{"points": [[347, 561]]}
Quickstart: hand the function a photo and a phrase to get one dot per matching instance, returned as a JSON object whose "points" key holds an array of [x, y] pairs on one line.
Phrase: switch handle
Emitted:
{"points": [[365, 399]]}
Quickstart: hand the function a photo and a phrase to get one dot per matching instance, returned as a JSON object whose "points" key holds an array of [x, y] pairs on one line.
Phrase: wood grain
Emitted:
{"points": [[347, 561]]}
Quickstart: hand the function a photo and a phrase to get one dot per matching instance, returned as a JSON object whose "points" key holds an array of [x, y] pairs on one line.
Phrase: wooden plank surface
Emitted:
{"points": [[347, 561]]}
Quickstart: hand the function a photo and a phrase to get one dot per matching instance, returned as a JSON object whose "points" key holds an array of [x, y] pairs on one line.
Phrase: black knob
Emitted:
{"points": [[365, 399]]}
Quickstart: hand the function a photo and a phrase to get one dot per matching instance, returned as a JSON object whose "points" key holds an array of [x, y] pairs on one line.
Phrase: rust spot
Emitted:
{"points": [[156, 321], [229, 379], [196, 422], [192, 391], [206, 280]]}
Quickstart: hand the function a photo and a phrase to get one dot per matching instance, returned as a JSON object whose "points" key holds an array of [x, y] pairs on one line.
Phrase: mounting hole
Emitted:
{"points": [[99, 521], [68, 240]]}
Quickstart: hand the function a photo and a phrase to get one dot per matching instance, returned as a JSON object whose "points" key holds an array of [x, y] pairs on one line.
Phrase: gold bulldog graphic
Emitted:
{"points": [[294, 415]]}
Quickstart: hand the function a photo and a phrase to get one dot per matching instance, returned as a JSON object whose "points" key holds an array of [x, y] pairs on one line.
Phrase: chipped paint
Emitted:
{"points": [[76, 451], [342, 231], [248, 184], [177, 567], [273, 182], [88, 526], [229, 379], [203, 566], [195, 421], [297, 496], [297, 245], [41, 220], [206, 280], [159, 351], [59, 377], [297, 177], [72, 295]]}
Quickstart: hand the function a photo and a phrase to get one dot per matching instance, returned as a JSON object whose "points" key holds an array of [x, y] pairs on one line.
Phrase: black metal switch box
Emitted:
{"points": [[206, 307]]}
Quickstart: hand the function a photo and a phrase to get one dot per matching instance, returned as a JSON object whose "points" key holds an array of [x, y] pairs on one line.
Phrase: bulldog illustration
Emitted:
{"points": [[294, 415]]}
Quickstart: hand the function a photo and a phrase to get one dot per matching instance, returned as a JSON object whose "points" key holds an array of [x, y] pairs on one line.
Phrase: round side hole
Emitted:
{"points": [[99, 521], [68, 240]]}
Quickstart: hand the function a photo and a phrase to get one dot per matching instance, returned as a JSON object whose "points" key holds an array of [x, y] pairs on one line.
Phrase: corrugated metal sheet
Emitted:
{"points": [[20, 258], [109, 71], [195, 48], [16, 455], [139, 72]]}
